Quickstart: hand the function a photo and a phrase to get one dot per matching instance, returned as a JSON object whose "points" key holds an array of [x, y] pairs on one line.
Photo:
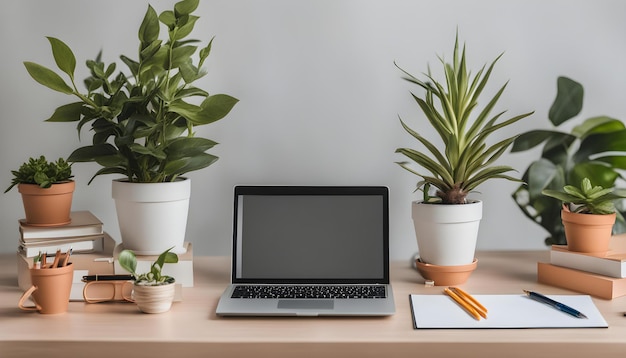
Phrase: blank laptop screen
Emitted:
{"points": [[311, 234]]}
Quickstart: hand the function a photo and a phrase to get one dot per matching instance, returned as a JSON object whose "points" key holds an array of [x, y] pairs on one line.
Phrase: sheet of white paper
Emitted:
{"points": [[504, 311]]}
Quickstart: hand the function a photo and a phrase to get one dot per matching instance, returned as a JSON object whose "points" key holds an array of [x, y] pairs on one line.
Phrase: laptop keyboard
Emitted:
{"points": [[309, 291]]}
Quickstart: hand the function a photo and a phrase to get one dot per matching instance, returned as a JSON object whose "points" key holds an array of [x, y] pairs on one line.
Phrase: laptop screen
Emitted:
{"points": [[311, 234]]}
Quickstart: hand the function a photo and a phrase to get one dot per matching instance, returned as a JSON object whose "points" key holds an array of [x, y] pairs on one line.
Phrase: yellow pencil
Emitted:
{"points": [[471, 300], [469, 308]]}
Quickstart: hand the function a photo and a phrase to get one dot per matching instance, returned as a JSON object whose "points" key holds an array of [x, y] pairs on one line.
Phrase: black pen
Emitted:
{"points": [[552, 303], [108, 278]]}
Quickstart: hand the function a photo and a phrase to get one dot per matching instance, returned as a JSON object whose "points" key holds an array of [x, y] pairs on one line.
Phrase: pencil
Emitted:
{"points": [[462, 303], [471, 300], [57, 257], [66, 259]]}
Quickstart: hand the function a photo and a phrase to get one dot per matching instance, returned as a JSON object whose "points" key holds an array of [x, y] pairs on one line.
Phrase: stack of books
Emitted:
{"points": [[92, 248], [83, 234], [603, 275]]}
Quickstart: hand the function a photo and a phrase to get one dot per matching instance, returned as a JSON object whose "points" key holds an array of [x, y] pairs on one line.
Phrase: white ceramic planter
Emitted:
{"points": [[152, 216], [447, 234], [154, 299]]}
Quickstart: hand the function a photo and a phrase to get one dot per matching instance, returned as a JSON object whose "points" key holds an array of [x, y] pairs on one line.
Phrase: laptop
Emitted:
{"points": [[309, 251]]}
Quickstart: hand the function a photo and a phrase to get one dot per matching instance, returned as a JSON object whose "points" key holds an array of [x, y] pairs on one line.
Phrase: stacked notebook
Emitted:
{"points": [[83, 234], [600, 275]]}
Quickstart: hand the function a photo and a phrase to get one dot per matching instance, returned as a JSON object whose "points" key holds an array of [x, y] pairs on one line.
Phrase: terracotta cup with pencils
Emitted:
{"points": [[50, 289]]}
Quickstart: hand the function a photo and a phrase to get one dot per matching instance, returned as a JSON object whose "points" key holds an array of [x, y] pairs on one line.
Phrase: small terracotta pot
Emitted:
{"points": [[587, 232], [445, 275], [50, 289], [47, 207]]}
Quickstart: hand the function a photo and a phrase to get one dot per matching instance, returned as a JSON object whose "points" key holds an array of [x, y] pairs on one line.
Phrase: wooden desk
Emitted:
{"points": [[191, 328]]}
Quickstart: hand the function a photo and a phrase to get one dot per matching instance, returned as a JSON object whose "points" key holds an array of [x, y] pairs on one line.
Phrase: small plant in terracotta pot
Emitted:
{"points": [[47, 189], [588, 215], [152, 291]]}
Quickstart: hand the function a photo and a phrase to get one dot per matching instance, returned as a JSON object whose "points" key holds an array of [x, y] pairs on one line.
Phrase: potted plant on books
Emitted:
{"points": [[152, 291], [447, 223], [47, 189], [143, 124], [588, 215], [595, 148]]}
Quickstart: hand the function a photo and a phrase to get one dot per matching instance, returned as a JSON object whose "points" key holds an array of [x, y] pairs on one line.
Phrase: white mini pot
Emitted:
{"points": [[447, 234], [152, 216], [154, 299]]}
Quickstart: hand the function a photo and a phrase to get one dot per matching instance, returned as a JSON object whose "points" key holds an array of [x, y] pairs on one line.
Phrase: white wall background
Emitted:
{"points": [[319, 93]]}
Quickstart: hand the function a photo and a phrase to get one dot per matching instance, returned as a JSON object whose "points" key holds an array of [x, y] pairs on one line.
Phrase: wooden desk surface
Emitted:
{"points": [[191, 328]]}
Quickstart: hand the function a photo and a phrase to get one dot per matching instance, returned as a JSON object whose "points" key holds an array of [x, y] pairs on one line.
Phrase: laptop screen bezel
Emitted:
{"points": [[381, 191]]}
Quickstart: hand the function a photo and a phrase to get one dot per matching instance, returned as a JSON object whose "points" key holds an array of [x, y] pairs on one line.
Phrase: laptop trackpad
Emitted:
{"points": [[306, 304]]}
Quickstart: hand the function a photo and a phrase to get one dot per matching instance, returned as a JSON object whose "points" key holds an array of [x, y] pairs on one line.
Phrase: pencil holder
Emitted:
{"points": [[50, 289]]}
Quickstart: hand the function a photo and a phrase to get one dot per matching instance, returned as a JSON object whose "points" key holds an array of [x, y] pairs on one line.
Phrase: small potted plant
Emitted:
{"points": [[47, 189], [152, 291], [588, 215], [144, 123], [447, 222], [594, 148]]}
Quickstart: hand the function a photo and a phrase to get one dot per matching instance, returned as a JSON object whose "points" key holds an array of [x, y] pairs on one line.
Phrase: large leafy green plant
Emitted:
{"points": [[42, 172], [467, 160], [594, 149], [142, 123]]}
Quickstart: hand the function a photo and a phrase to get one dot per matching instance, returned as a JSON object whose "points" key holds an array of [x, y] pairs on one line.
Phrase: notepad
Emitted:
{"points": [[505, 311]]}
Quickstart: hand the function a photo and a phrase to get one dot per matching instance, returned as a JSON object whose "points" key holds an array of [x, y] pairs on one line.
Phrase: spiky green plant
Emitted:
{"points": [[588, 199], [467, 160]]}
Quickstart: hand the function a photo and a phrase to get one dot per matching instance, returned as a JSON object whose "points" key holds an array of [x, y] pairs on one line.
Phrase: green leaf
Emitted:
{"points": [[90, 153], [531, 139], [168, 18], [601, 143], [186, 29], [150, 50], [540, 174], [149, 28], [204, 53], [132, 65], [128, 261], [602, 124], [185, 165], [47, 77], [63, 56], [568, 102], [181, 55], [598, 173], [188, 147], [215, 108], [185, 7], [67, 113]]}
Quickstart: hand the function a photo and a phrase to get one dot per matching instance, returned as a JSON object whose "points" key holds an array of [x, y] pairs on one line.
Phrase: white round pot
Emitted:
{"points": [[154, 299], [152, 216], [447, 234]]}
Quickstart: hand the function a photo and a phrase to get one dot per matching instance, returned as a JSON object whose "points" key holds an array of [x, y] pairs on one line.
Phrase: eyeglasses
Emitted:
{"points": [[107, 291]]}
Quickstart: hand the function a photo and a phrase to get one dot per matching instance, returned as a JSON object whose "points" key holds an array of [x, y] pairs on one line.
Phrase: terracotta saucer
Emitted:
{"points": [[445, 275]]}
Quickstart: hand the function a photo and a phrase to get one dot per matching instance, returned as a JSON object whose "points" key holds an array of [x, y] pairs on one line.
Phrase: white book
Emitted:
{"points": [[82, 245], [612, 263], [83, 223]]}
